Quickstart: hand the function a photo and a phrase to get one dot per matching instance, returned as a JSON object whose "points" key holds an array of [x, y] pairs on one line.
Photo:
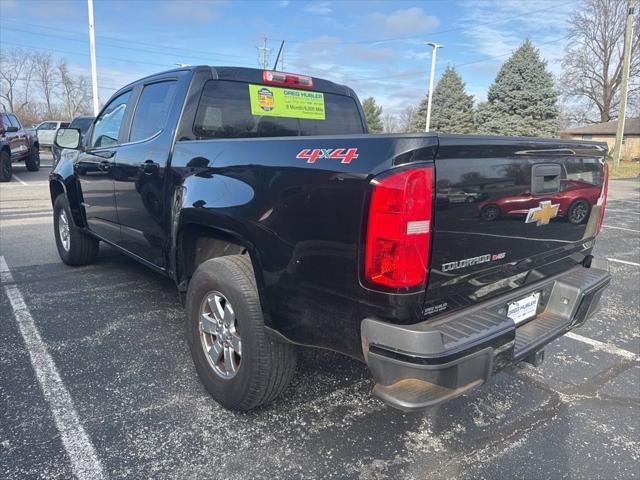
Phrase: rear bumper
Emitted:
{"points": [[422, 365]]}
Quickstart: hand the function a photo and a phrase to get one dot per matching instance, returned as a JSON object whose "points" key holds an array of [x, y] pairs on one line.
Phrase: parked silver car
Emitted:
{"points": [[46, 131]]}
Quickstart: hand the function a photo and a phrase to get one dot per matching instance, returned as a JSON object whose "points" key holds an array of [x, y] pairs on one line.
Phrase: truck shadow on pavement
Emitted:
{"points": [[115, 331]]}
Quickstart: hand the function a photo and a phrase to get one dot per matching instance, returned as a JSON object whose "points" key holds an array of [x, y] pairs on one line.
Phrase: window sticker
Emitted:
{"points": [[286, 102]]}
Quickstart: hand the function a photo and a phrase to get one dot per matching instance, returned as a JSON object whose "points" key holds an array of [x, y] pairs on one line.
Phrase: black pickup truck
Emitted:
{"points": [[17, 144], [284, 224]]}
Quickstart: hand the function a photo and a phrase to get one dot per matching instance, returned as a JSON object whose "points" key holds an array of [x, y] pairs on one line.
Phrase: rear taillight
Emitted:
{"points": [[286, 79], [602, 199], [399, 229]]}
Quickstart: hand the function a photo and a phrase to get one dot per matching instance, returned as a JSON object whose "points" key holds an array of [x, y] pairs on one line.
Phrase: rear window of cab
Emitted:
{"points": [[224, 111]]}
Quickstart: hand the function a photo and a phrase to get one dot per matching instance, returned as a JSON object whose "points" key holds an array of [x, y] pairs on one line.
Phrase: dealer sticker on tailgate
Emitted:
{"points": [[524, 308]]}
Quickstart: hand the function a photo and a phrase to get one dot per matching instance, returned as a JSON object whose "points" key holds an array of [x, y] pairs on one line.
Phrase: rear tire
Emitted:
{"points": [[490, 213], [33, 160], [74, 246], [578, 212], [265, 366], [6, 169]]}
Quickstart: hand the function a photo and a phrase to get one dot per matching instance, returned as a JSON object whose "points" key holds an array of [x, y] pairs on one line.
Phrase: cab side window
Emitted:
{"points": [[106, 129], [47, 126], [153, 109]]}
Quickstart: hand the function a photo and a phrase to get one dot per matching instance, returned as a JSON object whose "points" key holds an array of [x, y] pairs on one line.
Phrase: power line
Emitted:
{"points": [[55, 50], [157, 52], [58, 82], [385, 78], [128, 41]]}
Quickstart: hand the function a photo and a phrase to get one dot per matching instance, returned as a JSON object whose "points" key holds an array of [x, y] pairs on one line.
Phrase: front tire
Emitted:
{"points": [[6, 169], [33, 160], [240, 365], [74, 246]]}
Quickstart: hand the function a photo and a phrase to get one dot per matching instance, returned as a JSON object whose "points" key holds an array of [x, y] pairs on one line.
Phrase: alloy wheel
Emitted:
{"points": [[219, 335], [63, 230], [578, 213]]}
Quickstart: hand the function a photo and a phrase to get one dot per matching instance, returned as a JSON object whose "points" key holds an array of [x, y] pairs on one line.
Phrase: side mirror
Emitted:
{"points": [[68, 138], [11, 129]]}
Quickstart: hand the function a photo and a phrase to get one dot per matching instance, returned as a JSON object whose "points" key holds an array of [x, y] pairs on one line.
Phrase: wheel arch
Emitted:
{"points": [[58, 186], [196, 243]]}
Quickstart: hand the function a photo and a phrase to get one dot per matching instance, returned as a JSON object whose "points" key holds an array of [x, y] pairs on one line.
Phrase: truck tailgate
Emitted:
{"points": [[509, 212]]}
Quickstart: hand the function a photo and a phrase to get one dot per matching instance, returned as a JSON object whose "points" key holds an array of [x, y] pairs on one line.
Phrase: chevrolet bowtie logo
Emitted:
{"points": [[542, 214]]}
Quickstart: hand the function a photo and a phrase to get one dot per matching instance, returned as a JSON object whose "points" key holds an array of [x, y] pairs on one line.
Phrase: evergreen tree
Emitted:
{"points": [[522, 99], [419, 117], [373, 115], [451, 109]]}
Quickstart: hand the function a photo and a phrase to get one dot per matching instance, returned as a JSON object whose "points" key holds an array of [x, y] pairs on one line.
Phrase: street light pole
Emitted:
{"points": [[94, 72], [624, 84], [435, 47]]}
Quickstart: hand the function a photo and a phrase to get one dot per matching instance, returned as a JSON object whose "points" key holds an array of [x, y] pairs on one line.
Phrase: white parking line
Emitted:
{"points": [[605, 347], [622, 228], [26, 214], [84, 461], [626, 262], [622, 211], [625, 201], [22, 182]]}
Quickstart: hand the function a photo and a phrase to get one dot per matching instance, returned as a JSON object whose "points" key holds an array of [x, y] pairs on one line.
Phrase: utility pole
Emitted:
{"points": [[624, 84], [435, 47], [94, 71], [264, 54]]}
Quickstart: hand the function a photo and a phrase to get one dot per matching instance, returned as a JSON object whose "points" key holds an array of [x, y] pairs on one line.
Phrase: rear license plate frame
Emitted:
{"points": [[524, 308]]}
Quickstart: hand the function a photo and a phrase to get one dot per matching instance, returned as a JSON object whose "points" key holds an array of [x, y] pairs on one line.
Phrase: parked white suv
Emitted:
{"points": [[46, 131]]}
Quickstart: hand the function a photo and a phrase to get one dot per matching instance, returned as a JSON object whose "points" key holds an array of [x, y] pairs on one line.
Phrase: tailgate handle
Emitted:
{"points": [[545, 178]]}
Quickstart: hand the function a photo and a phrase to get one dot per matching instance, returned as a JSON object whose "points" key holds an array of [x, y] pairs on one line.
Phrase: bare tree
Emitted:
{"points": [[405, 118], [15, 75], [389, 122], [46, 76], [593, 57], [73, 91]]}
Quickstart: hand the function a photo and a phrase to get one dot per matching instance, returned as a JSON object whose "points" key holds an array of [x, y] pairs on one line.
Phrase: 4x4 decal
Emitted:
{"points": [[345, 155]]}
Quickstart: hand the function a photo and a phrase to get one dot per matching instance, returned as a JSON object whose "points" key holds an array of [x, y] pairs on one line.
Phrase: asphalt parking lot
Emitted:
{"points": [[96, 381]]}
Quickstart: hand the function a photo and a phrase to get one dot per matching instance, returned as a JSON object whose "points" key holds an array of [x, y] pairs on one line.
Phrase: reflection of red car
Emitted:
{"points": [[575, 198]]}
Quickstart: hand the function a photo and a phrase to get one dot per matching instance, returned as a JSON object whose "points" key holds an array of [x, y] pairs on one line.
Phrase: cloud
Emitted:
{"points": [[409, 21], [497, 32], [283, 3], [319, 8]]}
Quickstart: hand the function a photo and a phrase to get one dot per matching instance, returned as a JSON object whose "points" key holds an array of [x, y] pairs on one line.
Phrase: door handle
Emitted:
{"points": [[149, 167]]}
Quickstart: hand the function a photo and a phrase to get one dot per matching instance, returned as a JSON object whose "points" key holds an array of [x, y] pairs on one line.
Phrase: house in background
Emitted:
{"points": [[606, 132]]}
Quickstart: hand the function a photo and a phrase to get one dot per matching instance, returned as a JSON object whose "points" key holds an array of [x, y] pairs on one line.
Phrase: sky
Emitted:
{"points": [[376, 47]]}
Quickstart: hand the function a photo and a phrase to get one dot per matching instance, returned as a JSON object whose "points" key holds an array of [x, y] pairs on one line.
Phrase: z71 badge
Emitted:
{"points": [[345, 155]]}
